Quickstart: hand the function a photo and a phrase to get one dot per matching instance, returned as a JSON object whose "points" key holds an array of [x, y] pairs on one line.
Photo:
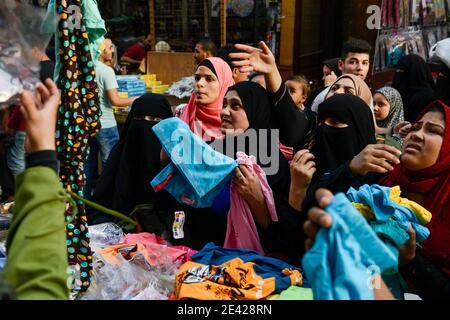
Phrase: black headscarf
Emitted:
{"points": [[134, 160], [443, 85], [333, 64], [415, 84], [257, 105], [284, 235], [334, 146]]}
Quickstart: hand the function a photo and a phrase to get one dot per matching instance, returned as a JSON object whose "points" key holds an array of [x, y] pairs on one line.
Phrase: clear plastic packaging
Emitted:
{"points": [[104, 235], [22, 38], [133, 279]]}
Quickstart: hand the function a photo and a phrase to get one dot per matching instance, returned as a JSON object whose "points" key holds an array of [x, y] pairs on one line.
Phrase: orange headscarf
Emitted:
{"points": [[209, 115]]}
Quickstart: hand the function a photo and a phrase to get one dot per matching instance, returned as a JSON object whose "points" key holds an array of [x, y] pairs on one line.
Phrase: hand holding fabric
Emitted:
{"points": [[407, 253], [248, 186], [302, 168], [377, 158], [40, 111], [318, 217]]}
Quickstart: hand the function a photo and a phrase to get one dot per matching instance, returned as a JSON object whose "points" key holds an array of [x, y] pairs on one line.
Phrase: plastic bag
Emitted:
{"points": [[104, 235], [130, 279], [22, 38], [183, 88]]}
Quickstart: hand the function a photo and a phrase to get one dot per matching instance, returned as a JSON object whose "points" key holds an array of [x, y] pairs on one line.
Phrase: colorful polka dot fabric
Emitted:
{"points": [[78, 119]]}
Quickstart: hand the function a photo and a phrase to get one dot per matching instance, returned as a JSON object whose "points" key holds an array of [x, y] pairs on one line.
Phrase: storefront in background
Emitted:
{"points": [[181, 23]]}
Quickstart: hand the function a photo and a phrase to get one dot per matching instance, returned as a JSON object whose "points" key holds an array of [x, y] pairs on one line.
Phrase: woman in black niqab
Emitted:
{"points": [[414, 81], [134, 160]]}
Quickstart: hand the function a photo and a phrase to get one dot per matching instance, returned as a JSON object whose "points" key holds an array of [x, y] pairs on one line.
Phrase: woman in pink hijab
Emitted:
{"points": [[212, 80]]}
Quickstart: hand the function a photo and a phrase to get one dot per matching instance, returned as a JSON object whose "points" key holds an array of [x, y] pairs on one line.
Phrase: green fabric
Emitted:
{"points": [[36, 245], [95, 27], [297, 293]]}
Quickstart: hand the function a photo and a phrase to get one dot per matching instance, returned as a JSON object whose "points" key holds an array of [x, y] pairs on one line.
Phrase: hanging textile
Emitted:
{"points": [[78, 119]]}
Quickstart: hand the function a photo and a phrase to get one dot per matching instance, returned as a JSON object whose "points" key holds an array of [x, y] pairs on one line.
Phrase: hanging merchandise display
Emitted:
{"points": [[78, 119], [410, 27]]}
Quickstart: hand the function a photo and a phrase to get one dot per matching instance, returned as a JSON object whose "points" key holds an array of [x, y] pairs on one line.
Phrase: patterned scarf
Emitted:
{"points": [[78, 119], [395, 101]]}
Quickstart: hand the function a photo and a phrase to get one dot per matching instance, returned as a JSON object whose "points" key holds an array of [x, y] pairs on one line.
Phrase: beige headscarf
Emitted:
{"points": [[361, 88]]}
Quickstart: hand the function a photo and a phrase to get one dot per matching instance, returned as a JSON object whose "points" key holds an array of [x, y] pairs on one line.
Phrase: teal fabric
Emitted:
{"points": [[379, 200], [106, 80], [93, 23], [341, 262], [391, 225], [197, 173], [95, 26]]}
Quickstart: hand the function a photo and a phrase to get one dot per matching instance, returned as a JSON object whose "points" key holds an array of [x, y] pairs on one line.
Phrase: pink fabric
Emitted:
{"points": [[288, 152], [209, 115], [157, 249], [241, 228]]}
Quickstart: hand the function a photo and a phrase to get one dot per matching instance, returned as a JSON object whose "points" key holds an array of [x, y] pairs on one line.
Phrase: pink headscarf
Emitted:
{"points": [[209, 115]]}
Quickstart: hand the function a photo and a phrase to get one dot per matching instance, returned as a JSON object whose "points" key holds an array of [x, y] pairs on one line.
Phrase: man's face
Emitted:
{"points": [[108, 53], [200, 54], [148, 42], [356, 63]]}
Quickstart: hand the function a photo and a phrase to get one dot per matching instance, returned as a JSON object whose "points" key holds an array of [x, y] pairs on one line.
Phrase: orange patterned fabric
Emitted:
{"points": [[233, 280]]}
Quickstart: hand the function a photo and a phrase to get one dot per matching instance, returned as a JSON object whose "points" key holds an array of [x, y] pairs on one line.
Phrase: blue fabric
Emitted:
{"points": [[340, 264], [15, 153], [378, 199], [264, 266], [222, 203], [197, 173], [392, 231]]}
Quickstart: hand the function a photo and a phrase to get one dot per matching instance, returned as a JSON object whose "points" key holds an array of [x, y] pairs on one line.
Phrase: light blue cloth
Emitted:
{"points": [[344, 257], [106, 80], [197, 173], [378, 198]]}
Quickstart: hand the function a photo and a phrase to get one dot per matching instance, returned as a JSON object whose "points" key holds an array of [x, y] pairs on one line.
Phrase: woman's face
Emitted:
{"points": [[344, 85], [381, 107], [326, 71], [423, 144], [233, 116], [206, 87]]}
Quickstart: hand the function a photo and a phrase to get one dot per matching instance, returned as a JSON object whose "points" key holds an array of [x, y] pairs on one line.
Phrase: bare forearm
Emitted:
{"points": [[121, 102], [296, 197], [130, 60], [260, 213]]}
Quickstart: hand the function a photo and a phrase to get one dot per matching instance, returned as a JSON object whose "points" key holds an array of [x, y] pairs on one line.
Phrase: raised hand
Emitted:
{"points": [[40, 112], [253, 59]]}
